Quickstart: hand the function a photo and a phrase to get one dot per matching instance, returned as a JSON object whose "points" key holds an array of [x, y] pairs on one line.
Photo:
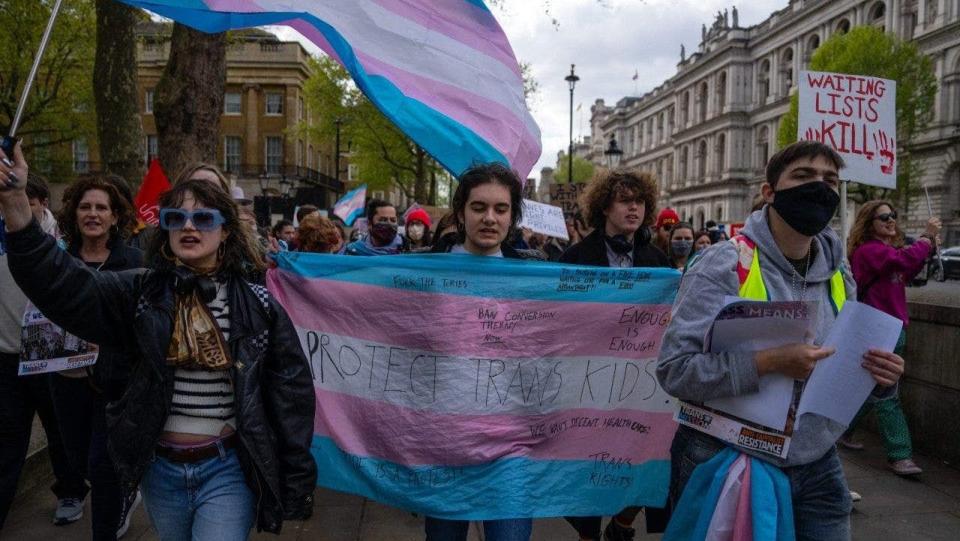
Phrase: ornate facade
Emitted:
{"points": [[707, 131]]}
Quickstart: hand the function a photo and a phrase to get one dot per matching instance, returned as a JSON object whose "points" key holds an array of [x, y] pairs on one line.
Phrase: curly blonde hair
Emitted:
{"points": [[862, 229], [606, 186]]}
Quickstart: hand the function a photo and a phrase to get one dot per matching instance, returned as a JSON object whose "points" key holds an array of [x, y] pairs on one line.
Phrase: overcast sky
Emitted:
{"points": [[608, 40]]}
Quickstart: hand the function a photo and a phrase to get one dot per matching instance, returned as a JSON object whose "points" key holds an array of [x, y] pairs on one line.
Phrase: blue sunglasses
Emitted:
{"points": [[202, 219]]}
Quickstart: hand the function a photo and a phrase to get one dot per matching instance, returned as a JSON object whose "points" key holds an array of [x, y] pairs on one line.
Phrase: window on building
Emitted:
{"points": [[148, 101], [274, 155], [786, 70], [81, 156], [812, 43], [670, 120], [763, 80], [719, 215], [274, 103], [721, 152], [353, 172], [721, 92], [232, 153], [843, 26], [668, 174], [684, 109], [300, 154], [763, 147], [660, 132], [702, 160], [682, 165], [702, 97], [231, 103], [301, 111], [152, 148]]}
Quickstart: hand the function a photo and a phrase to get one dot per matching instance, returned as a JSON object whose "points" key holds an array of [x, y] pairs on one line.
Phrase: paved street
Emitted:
{"points": [[892, 508]]}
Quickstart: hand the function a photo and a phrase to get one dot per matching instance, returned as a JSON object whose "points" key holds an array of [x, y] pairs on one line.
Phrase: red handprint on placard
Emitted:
{"points": [[887, 148], [813, 135]]}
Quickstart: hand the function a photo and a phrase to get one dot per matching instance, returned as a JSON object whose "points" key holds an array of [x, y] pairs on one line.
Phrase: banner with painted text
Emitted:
{"points": [[476, 388], [856, 115]]}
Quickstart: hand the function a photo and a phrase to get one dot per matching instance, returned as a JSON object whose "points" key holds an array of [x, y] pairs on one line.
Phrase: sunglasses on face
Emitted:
{"points": [[886, 216], [202, 219]]}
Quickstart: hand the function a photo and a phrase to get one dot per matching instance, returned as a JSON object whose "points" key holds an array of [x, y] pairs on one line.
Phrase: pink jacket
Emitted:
{"points": [[882, 272]]}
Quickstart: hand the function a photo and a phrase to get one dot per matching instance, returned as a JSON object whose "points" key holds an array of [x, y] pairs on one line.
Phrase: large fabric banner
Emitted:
{"points": [[443, 71], [477, 388]]}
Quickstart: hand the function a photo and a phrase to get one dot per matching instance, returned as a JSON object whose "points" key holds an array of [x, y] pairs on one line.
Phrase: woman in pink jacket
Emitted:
{"points": [[882, 267]]}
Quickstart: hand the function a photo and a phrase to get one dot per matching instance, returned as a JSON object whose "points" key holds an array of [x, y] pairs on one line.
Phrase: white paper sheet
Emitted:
{"points": [[839, 385], [770, 405]]}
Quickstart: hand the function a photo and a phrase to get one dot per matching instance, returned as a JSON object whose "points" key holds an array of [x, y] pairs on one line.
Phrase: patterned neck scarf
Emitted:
{"points": [[197, 343]]}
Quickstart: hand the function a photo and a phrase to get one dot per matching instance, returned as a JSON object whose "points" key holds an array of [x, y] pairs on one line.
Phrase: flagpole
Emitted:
{"points": [[936, 244], [9, 141]]}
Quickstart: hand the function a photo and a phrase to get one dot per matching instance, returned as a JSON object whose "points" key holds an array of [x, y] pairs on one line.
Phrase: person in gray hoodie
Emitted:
{"points": [[798, 255]]}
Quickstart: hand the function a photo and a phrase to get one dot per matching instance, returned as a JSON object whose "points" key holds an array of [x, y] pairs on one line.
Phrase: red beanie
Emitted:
{"points": [[419, 215], [667, 216]]}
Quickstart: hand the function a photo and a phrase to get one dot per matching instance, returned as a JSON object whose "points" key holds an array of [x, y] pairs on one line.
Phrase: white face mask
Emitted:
{"points": [[415, 231]]}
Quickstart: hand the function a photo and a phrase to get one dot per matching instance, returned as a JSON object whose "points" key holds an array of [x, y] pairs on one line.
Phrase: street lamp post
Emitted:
{"points": [[336, 159], [572, 81], [613, 153]]}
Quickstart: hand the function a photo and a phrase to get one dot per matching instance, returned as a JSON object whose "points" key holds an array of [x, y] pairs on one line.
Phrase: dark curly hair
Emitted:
{"points": [[317, 234], [119, 205], [239, 256], [480, 174], [606, 186]]}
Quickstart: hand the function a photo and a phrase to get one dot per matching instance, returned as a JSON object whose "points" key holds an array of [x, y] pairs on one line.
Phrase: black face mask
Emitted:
{"points": [[807, 208], [383, 232]]}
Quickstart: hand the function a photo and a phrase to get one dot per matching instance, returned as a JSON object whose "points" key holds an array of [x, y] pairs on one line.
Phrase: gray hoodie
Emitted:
{"points": [[12, 301], [687, 373]]}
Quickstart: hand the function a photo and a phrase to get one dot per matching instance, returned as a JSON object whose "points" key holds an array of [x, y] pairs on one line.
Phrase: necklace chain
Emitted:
{"points": [[799, 283]]}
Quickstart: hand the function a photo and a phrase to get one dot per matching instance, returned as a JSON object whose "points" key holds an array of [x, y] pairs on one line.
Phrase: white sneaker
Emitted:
{"points": [[855, 496], [68, 510], [130, 505]]}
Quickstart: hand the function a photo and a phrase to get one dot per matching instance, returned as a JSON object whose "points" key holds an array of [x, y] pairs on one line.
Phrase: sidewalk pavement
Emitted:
{"points": [[892, 508]]}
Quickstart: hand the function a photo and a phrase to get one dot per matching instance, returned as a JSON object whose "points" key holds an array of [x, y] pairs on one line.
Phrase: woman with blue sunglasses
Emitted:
{"points": [[217, 419]]}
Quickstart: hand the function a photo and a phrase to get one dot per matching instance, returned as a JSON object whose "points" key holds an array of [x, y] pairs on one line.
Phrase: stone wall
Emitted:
{"points": [[930, 390]]}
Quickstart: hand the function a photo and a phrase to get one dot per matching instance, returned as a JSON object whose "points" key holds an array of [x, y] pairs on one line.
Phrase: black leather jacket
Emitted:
{"points": [[133, 310]]}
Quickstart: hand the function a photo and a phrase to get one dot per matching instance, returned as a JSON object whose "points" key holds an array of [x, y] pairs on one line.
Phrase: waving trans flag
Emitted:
{"points": [[441, 70]]}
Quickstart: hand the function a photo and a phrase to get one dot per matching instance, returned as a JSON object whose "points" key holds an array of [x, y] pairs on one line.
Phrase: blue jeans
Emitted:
{"points": [[514, 529], [203, 501], [821, 499]]}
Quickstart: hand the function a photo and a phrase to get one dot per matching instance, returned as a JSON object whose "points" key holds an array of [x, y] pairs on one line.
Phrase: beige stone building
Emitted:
{"points": [[707, 131], [260, 146]]}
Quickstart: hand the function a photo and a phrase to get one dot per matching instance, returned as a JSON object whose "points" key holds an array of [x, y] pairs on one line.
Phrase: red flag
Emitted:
{"points": [[154, 183]]}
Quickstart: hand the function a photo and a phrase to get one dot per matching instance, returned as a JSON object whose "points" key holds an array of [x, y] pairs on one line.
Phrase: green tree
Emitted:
{"points": [[383, 154], [60, 108], [866, 50], [582, 170]]}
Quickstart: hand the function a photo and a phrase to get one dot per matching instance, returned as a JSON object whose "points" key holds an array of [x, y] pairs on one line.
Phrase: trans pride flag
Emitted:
{"points": [[441, 70], [475, 388], [350, 206]]}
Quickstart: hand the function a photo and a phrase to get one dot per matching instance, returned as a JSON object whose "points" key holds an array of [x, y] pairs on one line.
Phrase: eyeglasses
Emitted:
{"points": [[886, 216], [202, 219]]}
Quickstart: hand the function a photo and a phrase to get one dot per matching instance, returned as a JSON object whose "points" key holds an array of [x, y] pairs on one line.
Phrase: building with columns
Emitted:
{"points": [[708, 131]]}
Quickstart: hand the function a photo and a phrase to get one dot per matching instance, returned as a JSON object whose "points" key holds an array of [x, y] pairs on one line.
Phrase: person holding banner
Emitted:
{"points": [[487, 207], [21, 397], [883, 266], [620, 206], [96, 220], [217, 420], [785, 252], [382, 237]]}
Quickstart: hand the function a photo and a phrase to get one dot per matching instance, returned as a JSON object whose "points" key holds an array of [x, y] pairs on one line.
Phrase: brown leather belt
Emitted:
{"points": [[190, 455]]}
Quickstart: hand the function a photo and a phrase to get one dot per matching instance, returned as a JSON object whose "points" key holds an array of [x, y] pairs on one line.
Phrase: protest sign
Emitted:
{"points": [[476, 388], [856, 116], [544, 219], [567, 197], [45, 347]]}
